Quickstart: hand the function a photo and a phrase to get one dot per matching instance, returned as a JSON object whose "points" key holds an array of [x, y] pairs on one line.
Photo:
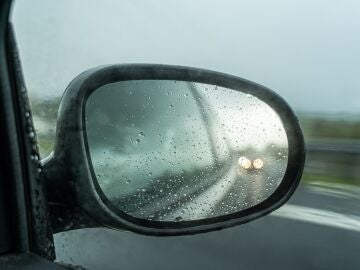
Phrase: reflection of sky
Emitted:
{"points": [[147, 115], [156, 127], [307, 50], [245, 120]]}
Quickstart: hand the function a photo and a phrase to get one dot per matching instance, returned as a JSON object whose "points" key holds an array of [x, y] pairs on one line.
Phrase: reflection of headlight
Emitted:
{"points": [[258, 163], [244, 163]]}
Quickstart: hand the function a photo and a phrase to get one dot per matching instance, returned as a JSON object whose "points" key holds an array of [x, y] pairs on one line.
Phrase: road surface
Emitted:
{"points": [[316, 229]]}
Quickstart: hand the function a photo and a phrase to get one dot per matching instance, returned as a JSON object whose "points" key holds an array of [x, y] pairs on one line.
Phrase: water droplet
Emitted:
{"points": [[171, 106], [141, 134], [137, 141]]}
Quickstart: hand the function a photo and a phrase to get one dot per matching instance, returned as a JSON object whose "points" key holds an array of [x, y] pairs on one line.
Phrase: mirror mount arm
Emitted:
{"points": [[64, 210]]}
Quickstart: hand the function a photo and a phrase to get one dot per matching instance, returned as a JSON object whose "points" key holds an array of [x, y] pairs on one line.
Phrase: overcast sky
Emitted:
{"points": [[308, 51]]}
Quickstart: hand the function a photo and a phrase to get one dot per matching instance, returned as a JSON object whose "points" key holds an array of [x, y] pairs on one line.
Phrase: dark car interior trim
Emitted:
{"points": [[12, 177], [21, 246], [5, 242], [30, 261], [40, 232]]}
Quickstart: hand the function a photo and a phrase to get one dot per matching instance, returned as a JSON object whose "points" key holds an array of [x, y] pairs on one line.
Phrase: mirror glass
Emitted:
{"points": [[179, 151]]}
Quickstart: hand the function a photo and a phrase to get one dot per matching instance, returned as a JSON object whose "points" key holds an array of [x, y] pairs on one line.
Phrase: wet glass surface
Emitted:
{"points": [[175, 150]]}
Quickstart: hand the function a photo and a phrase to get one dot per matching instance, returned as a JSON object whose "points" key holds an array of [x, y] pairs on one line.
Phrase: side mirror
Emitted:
{"points": [[168, 150]]}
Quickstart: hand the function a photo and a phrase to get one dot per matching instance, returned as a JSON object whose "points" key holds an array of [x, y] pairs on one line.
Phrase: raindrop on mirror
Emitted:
{"points": [[184, 151]]}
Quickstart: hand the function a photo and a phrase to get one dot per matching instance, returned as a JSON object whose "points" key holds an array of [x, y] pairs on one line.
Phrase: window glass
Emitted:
{"points": [[306, 51]]}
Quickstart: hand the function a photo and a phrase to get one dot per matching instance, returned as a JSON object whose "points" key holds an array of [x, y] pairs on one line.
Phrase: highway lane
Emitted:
{"points": [[227, 190], [204, 205], [278, 241]]}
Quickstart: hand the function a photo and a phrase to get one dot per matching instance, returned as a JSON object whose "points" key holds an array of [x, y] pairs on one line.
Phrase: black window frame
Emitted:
{"points": [[16, 219], [25, 235]]}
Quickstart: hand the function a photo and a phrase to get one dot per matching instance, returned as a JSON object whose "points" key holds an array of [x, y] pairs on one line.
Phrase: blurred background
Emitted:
{"points": [[306, 51]]}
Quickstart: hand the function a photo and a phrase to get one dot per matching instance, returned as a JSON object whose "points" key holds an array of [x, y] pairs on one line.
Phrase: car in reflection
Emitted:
{"points": [[246, 164]]}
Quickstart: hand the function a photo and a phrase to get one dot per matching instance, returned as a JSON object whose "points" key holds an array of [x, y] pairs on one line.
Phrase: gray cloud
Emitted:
{"points": [[307, 51]]}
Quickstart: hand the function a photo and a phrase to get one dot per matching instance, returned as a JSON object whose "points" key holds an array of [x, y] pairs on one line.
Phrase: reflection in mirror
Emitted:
{"points": [[179, 151]]}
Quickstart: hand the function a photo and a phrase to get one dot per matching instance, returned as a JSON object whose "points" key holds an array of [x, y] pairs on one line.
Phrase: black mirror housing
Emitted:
{"points": [[72, 183]]}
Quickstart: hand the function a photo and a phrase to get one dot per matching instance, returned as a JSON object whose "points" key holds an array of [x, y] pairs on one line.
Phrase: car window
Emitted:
{"points": [[306, 51]]}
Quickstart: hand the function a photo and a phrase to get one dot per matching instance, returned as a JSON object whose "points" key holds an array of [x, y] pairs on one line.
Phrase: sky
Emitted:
{"points": [[307, 51]]}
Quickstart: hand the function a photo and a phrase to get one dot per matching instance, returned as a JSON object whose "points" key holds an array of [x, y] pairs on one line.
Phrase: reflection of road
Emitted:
{"points": [[228, 193], [181, 195], [189, 197], [251, 188], [316, 229], [205, 203], [120, 174]]}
